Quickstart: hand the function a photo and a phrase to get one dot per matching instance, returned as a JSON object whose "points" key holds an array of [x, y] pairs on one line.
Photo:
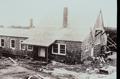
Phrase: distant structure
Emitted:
{"points": [[65, 17], [24, 27], [31, 23]]}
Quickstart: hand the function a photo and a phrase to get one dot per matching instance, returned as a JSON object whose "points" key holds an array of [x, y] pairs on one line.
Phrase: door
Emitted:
{"points": [[41, 52]]}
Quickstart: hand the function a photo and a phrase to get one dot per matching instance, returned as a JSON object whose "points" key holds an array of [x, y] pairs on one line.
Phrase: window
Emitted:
{"points": [[62, 49], [55, 48], [30, 48], [12, 44], [59, 49], [2, 42], [22, 46]]}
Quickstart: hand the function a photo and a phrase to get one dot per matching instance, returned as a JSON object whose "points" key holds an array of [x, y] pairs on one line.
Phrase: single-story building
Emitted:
{"points": [[60, 44], [44, 43]]}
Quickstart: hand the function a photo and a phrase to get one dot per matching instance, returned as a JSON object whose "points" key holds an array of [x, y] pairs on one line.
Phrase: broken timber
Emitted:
{"points": [[15, 63]]}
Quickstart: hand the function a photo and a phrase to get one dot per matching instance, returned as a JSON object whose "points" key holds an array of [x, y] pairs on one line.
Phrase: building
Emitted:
{"points": [[61, 44], [99, 39], [45, 44]]}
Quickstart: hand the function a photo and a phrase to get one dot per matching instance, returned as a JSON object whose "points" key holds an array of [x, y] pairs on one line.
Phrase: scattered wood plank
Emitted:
{"points": [[15, 63], [38, 76]]}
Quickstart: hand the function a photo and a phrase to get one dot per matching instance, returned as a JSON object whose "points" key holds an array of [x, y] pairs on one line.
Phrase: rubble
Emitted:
{"points": [[37, 77], [107, 70], [14, 62], [29, 69]]}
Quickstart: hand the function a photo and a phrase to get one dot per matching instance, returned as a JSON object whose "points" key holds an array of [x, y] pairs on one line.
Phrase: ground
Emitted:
{"points": [[55, 70]]}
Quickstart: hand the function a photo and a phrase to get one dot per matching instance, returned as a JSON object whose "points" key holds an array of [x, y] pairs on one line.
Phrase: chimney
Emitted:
{"points": [[31, 23], [65, 17]]}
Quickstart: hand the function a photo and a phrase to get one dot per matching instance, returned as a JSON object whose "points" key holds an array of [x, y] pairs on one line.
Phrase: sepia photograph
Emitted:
{"points": [[58, 39]]}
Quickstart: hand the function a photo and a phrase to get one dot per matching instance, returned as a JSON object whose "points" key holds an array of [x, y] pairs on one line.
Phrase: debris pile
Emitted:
{"points": [[32, 69], [53, 65], [5, 62]]}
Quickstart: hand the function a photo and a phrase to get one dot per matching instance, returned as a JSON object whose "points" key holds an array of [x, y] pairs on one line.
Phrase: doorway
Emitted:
{"points": [[41, 52]]}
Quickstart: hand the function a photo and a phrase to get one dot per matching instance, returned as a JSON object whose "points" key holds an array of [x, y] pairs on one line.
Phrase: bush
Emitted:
{"points": [[73, 57], [15, 53]]}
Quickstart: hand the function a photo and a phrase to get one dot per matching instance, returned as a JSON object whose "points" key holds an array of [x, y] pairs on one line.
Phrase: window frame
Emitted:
{"points": [[65, 49], [53, 49], [59, 49], [29, 49], [21, 45], [11, 44], [1, 42]]}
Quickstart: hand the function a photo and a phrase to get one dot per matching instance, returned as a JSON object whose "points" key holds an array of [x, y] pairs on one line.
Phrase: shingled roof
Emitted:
{"points": [[14, 32], [43, 36], [47, 37]]}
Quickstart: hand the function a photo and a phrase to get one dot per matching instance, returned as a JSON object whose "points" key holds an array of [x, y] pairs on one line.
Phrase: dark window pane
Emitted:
{"points": [[55, 48], [29, 47], [22, 46], [62, 49], [13, 43], [62, 46], [2, 42]]}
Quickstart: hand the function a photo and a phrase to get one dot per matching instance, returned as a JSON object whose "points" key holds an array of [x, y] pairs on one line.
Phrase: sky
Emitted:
{"points": [[81, 13]]}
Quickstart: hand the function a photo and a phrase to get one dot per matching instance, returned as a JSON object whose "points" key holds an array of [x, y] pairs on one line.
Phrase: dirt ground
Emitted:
{"points": [[54, 70], [9, 70]]}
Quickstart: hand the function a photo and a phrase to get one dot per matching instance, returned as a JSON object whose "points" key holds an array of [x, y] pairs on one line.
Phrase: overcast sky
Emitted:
{"points": [[82, 13]]}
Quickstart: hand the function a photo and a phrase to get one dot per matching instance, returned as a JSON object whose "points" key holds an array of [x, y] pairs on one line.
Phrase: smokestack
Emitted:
{"points": [[31, 23], [65, 17]]}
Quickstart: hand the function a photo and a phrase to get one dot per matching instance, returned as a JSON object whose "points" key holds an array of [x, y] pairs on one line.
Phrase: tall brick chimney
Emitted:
{"points": [[65, 17], [31, 23]]}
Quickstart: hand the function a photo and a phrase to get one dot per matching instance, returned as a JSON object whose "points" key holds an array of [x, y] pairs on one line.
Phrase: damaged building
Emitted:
{"points": [[99, 40], [44, 44], [61, 44]]}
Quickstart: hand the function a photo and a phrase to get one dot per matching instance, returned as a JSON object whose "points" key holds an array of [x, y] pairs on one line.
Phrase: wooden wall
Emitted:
{"points": [[17, 41], [73, 52], [6, 50]]}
